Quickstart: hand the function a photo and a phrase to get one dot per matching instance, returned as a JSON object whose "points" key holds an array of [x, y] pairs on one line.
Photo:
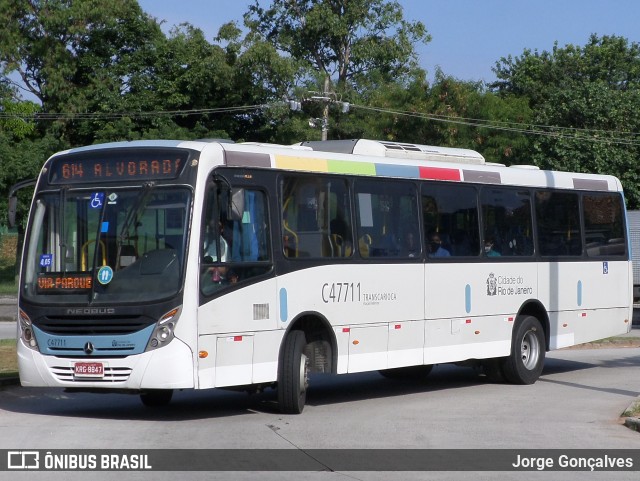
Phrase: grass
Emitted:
{"points": [[8, 285], [8, 358], [632, 411]]}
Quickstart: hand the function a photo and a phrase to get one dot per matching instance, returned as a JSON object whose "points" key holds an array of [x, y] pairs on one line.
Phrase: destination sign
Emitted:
{"points": [[117, 166], [64, 282]]}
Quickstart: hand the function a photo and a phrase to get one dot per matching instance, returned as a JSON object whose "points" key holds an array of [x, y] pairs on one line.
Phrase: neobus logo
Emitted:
{"points": [[91, 311]]}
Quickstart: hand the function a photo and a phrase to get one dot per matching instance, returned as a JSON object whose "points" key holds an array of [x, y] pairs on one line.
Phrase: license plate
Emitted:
{"points": [[88, 369]]}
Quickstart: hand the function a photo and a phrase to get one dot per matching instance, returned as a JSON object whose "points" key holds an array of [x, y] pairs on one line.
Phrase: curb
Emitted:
{"points": [[632, 423], [9, 381]]}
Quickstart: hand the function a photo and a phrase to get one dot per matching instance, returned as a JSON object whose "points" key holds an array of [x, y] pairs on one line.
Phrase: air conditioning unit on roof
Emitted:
{"points": [[398, 150]]}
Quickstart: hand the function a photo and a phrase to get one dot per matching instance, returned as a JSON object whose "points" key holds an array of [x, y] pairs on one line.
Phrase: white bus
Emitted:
{"points": [[155, 266]]}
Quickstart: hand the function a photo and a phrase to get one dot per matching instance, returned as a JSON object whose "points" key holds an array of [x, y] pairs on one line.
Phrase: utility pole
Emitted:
{"points": [[327, 99], [325, 110]]}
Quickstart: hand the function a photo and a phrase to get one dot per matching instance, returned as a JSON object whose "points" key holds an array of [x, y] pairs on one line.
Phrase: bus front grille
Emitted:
{"points": [[111, 375], [103, 325]]}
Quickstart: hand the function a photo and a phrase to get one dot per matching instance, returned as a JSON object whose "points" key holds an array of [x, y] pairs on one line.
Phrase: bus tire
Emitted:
{"points": [[526, 361], [156, 397], [293, 374], [410, 372]]}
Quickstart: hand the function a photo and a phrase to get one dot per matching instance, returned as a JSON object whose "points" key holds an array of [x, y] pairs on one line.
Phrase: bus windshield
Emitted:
{"points": [[110, 245]]}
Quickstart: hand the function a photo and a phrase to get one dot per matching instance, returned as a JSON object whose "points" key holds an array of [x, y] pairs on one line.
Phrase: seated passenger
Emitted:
{"points": [[411, 247], [488, 248], [435, 247], [218, 274]]}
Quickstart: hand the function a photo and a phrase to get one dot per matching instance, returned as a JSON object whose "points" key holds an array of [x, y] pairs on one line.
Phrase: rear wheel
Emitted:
{"points": [[410, 372], [293, 374], [524, 364], [156, 397]]}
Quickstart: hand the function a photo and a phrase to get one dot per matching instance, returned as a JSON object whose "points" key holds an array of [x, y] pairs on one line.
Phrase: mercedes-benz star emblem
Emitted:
{"points": [[88, 348]]}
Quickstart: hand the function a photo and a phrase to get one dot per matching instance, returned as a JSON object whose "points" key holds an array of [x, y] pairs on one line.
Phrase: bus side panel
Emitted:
{"points": [[239, 359], [586, 300], [362, 302], [248, 309], [406, 343], [471, 308], [266, 348], [228, 326], [459, 339], [234, 360], [368, 348]]}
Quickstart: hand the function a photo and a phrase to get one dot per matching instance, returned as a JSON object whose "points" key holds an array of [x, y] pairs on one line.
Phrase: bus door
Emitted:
{"points": [[237, 312]]}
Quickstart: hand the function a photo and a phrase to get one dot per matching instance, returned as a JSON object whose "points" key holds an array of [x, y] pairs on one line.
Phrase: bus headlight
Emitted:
{"points": [[26, 331], [163, 333]]}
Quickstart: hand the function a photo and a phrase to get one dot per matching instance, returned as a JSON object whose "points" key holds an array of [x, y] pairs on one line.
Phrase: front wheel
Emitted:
{"points": [[293, 374], [524, 364]]}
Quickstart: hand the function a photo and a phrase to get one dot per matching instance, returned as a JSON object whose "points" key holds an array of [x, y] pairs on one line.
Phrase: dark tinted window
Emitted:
{"points": [[604, 225], [450, 214], [387, 219], [506, 219], [558, 223]]}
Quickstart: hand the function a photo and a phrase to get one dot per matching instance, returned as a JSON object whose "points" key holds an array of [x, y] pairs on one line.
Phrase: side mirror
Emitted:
{"points": [[13, 206], [13, 198]]}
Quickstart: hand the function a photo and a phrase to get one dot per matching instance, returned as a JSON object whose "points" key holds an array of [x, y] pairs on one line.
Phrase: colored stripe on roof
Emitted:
{"points": [[364, 168], [407, 171], [345, 167], [301, 163], [439, 173]]}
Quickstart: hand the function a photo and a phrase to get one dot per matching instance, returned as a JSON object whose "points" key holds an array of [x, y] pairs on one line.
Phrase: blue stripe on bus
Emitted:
{"points": [[467, 298], [579, 293], [284, 315], [408, 171], [103, 345]]}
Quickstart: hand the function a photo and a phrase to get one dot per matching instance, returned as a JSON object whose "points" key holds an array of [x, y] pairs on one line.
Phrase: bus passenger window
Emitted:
{"points": [[507, 221], [604, 225], [387, 216], [558, 222], [316, 219], [450, 214]]}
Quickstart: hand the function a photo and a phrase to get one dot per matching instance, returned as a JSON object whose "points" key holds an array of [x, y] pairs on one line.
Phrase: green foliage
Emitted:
{"points": [[105, 71], [340, 40], [590, 97]]}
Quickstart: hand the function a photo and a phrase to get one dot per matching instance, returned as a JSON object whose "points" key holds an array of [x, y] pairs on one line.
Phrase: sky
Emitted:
{"points": [[468, 36]]}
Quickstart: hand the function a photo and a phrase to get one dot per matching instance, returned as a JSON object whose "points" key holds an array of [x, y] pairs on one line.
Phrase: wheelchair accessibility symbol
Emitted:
{"points": [[97, 199], [105, 275]]}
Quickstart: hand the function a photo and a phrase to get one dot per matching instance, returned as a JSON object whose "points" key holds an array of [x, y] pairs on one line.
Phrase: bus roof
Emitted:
{"points": [[380, 158], [389, 159]]}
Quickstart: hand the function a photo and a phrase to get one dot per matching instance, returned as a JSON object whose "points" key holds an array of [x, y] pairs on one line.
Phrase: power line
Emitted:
{"points": [[590, 135], [521, 128], [130, 114]]}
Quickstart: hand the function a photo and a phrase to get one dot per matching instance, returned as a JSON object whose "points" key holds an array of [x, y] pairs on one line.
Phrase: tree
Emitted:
{"points": [[343, 47], [74, 57], [585, 104], [342, 40]]}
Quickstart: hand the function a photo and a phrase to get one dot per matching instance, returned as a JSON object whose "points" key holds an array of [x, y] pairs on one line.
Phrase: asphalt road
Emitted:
{"points": [[576, 404]]}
